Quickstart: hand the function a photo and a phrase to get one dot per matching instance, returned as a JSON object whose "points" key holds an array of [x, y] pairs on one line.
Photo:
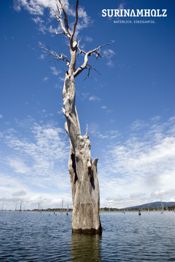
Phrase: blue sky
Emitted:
{"points": [[128, 105]]}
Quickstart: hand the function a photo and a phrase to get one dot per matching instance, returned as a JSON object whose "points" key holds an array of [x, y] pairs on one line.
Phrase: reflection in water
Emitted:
{"points": [[45, 237], [85, 248]]}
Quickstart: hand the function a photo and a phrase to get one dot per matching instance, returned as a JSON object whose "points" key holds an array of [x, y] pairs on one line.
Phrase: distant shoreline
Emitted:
{"points": [[123, 210]]}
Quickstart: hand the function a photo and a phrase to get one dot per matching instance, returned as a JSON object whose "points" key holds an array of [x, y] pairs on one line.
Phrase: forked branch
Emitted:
{"points": [[62, 18], [95, 51]]}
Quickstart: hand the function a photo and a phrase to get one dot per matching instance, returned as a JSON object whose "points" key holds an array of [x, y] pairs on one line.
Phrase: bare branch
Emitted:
{"points": [[95, 51], [76, 20], [90, 68], [57, 56], [81, 51], [64, 23], [88, 72]]}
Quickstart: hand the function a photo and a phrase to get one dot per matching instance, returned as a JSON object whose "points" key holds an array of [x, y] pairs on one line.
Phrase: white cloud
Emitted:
{"points": [[47, 145], [142, 168], [10, 189], [18, 166], [84, 19], [35, 161], [54, 30], [45, 78], [37, 8], [1, 116], [94, 130], [55, 71], [13, 192], [41, 25], [94, 98], [104, 107], [19, 193], [133, 170], [42, 56], [138, 124], [109, 55], [88, 39], [107, 135]]}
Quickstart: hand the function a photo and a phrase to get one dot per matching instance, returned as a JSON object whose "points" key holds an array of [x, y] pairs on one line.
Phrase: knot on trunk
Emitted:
{"points": [[83, 150]]}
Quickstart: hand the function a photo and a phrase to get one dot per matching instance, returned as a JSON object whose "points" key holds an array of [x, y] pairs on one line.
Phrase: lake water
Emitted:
{"points": [[40, 237]]}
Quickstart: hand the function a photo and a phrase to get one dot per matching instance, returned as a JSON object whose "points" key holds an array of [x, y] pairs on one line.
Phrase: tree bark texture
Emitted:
{"points": [[82, 169]]}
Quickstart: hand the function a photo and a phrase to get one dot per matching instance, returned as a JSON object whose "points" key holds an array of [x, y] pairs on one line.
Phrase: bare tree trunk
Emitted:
{"points": [[82, 169]]}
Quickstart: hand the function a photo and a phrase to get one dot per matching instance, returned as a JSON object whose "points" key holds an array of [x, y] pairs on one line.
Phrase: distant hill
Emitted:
{"points": [[154, 205]]}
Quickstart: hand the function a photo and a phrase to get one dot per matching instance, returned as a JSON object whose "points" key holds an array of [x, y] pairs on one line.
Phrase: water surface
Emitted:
{"points": [[44, 236]]}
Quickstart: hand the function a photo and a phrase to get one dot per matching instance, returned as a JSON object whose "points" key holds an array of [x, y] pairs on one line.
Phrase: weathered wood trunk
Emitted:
{"points": [[82, 169], [85, 194]]}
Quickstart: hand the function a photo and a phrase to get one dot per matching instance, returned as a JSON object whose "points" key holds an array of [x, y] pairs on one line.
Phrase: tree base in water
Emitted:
{"points": [[91, 231]]}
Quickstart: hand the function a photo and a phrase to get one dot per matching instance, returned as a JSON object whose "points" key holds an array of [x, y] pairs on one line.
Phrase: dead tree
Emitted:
{"points": [[82, 169]]}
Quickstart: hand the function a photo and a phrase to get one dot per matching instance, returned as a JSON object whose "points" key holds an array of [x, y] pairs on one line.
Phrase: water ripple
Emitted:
{"points": [[45, 237]]}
